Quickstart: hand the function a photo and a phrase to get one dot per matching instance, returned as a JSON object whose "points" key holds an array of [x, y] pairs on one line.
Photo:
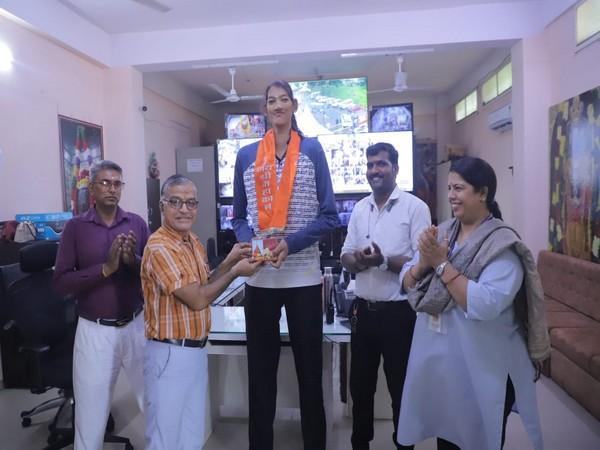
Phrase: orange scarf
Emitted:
{"points": [[273, 200]]}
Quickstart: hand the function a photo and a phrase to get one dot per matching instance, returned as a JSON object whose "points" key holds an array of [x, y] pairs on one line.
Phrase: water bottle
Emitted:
{"points": [[328, 293]]}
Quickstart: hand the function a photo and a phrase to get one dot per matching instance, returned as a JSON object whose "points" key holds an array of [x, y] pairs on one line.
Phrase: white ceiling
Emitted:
{"points": [[126, 16], [436, 71], [146, 30]]}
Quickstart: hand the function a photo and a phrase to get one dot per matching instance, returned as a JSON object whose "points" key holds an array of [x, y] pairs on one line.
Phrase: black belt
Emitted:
{"points": [[375, 305], [194, 343], [119, 322]]}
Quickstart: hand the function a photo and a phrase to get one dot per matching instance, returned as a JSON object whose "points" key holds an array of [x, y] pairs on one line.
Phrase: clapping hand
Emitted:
{"points": [[128, 248], [372, 255], [368, 257], [114, 256], [432, 252]]}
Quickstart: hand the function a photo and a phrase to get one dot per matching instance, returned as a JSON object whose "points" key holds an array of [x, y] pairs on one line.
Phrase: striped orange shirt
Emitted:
{"points": [[170, 263]]}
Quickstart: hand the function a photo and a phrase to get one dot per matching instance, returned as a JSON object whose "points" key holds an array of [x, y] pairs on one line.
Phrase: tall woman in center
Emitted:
{"points": [[283, 184]]}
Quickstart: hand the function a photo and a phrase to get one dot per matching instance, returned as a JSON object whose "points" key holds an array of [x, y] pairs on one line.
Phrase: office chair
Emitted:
{"points": [[211, 253], [13, 361], [46, 323]]}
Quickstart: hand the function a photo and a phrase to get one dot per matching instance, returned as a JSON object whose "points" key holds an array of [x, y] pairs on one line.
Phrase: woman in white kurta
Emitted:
{"points": [[463, 358]]}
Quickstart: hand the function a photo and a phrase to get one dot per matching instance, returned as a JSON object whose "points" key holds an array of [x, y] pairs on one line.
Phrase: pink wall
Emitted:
{"points": [[46, 80], [493, 146], [475, 134], [546, 71], [168, 126], [124, 134]]}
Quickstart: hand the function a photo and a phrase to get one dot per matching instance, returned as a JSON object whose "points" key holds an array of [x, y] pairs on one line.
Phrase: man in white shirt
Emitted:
{"points": [[382, 235]]}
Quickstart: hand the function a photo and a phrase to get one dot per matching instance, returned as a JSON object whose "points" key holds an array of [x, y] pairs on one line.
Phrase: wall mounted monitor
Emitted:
{"points": [[227, 150], [244, 126], [225, 217], [347, 159], [392, 118], [344, 210], [332, 106]]}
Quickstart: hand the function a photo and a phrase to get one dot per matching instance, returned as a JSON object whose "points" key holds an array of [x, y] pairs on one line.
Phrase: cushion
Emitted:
{"points": [[555, 305], [572, 281], [578, 383], [595, 367], [567, 319], [580, 345]]}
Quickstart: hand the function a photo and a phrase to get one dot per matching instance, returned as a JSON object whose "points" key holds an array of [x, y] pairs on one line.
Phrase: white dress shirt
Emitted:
{"points": [[395, 228]]}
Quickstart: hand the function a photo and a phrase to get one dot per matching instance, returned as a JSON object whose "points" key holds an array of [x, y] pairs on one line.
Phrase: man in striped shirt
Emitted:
{"points": [[178, 290]]}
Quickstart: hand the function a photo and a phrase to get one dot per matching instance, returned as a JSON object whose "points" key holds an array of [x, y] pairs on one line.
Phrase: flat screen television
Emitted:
{"points": [[225, 217], [243, 126], [347, 160], [227, 150], [344, 210], [345, 156], [392, 118], [332, 106]]}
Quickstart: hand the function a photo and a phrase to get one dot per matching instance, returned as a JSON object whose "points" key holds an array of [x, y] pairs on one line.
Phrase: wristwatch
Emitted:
{"points": [[439, 270], [384, 265]]}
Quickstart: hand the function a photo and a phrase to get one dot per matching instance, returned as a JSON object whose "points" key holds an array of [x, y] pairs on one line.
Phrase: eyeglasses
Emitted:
{"points": [[177, 203], [106, 184]]}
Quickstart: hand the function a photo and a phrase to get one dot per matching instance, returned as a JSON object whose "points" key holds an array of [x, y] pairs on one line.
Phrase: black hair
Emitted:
{"points": [[174, 180], [288, 90], [375, 149], [479, 174]]}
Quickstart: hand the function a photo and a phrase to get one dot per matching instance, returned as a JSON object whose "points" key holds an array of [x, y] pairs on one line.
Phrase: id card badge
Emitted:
{"points": [[435, 322]]}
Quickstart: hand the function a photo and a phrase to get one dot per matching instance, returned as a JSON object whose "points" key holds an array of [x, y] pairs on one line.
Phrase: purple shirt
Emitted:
{"points": [[83, 250]]}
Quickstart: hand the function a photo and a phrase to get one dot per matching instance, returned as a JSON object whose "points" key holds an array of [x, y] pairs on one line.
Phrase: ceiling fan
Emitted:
{"points": [[154, 4], [232, 96], [400, 81]]}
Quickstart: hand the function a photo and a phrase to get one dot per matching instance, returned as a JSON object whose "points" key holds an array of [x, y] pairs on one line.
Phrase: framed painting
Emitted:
{"points": [[80, 147], [574, 176]]}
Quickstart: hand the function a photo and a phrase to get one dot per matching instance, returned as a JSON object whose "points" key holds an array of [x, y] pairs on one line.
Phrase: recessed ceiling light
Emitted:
{"points": [[6, 57]]}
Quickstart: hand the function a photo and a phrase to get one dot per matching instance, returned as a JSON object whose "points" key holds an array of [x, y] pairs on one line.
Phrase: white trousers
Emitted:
{"points": [[99, 354], [176, 380]]}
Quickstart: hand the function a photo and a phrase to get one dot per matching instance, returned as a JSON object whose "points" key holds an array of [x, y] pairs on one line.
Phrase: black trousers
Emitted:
{"points": [[383, 329], [509, 400], [304, 312]]}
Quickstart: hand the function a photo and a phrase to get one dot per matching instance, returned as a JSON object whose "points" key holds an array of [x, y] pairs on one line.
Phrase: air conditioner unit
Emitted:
{"points": [[501, 119]]}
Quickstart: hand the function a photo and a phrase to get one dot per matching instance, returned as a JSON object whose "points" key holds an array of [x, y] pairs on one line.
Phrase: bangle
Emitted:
{"points": [[452, 279]]}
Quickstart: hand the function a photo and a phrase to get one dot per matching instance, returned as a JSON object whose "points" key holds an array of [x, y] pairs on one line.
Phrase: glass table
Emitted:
{"points": [[228, 365]]}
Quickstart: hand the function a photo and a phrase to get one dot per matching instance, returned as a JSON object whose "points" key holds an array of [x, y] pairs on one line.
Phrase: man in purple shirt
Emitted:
{"points": [[98, 262]]}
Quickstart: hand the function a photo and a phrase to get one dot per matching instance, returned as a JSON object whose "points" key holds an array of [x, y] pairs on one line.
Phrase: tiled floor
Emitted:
{"points": [[566, 426]]}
